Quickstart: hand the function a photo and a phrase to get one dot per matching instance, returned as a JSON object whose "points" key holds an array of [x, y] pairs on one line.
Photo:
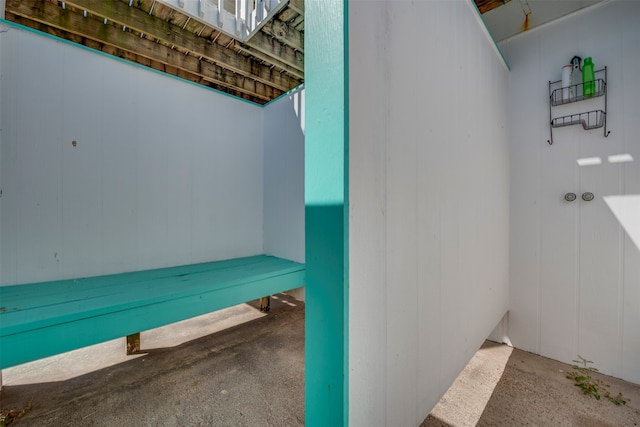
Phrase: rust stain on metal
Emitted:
{"points": [[525, 24]]}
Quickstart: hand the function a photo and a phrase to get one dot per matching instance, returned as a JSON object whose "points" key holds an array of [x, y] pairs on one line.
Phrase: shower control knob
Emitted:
{"points": [[570, 197], [587, 197]]}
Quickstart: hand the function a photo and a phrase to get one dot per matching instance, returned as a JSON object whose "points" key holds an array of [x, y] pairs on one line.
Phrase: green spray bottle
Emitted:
{"points": [[588, 78]]}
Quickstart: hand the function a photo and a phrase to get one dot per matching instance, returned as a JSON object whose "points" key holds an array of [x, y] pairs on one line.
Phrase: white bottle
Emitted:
{"points": [[566, 82]]}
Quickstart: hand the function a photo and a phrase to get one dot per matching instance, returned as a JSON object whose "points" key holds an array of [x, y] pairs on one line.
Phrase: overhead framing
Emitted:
{"points": [[485, 6], [155, 35]]}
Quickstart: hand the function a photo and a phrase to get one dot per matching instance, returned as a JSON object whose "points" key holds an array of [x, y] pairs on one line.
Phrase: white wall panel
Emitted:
{"points": [[369, 30], [180, 175], [525, 169], [37, 209], [283, 134], [629, 42], [119, 171], [402, 217], [82, 121], [428, 202], [163, 172], [152, 177], [573, 269]]}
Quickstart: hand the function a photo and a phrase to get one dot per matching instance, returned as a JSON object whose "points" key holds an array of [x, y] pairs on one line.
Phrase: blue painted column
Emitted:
{"points": [[326, 212]]}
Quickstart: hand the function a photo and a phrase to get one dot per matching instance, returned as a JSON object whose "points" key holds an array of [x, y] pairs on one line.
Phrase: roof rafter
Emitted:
{"points": [[285, 34], [64, 19], [269, 64], [265, 44], [142, 22]]}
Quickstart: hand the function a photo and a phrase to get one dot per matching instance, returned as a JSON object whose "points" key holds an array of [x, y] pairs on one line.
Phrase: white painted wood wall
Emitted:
{"points": [[429, 208], [284, 177], [283, 136], [163, 172], [575, 274], [429, 188]]}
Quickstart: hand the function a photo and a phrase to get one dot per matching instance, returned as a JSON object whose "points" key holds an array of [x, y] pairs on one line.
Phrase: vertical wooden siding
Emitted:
{"points": [[575, 274], [161, 174], [428, 203]]}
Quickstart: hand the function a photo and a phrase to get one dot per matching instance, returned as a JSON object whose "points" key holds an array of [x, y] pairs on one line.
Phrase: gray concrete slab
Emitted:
{"points": [[240, 367], [233, 367], [502, 386]]}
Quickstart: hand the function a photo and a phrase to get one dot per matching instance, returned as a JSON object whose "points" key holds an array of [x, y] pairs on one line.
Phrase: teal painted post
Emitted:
{"points": [[326, 211]]}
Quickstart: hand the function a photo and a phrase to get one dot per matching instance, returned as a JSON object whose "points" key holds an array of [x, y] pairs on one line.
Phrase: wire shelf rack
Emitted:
{"points": [[575, 93], [593, 119], [588, 119]]}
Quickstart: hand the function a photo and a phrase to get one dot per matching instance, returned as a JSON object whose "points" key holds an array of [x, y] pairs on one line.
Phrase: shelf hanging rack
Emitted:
{"points": [[566, 95]]}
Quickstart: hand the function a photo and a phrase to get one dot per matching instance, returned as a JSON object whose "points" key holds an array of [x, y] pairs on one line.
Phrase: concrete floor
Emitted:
{"points": [[240, 367], [233, 367], [502, 386]]}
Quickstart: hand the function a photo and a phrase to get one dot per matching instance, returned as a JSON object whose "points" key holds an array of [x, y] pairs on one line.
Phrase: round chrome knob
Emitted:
{"points": [[570, 197], [587, 197]]}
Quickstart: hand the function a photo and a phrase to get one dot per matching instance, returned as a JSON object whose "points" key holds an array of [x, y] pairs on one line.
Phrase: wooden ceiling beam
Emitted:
{"points": [[177, 72], [298, 23], [66, 20], [137, 19], [281, 65], [285, 34], [287, 15], [120, 53], [270, 47], [297, 5], [485, 6]]}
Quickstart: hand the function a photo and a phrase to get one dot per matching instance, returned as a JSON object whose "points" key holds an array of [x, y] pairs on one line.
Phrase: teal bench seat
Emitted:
{"points": [[42, 319]]}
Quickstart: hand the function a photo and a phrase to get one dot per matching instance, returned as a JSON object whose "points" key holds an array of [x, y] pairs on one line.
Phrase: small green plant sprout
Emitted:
{"points": [[9, 415], [590, 386]]}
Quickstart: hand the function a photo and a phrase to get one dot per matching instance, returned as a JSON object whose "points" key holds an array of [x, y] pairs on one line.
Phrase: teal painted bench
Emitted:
{"points": [[42, 319]]}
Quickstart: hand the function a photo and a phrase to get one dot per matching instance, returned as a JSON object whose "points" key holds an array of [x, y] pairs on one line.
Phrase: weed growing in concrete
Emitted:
{"points": [[590, 386], [10, 415]]}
